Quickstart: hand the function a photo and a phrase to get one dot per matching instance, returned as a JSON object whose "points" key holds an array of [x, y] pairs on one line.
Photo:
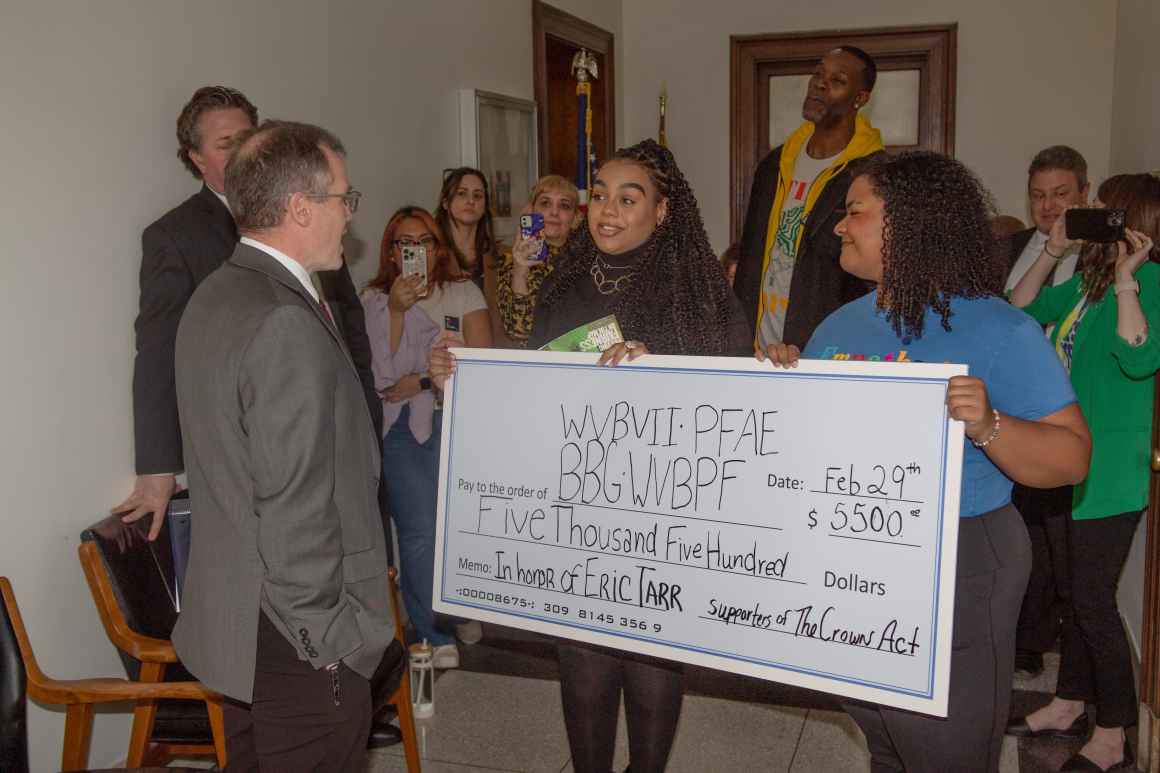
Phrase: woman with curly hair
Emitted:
{"points": [[1103, 317], [917, 226], [645, 258]]}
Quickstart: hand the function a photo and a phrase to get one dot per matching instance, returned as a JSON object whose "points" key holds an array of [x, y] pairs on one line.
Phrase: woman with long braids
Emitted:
{"points": [[917, 226], [644, 257], [1103, 320]]}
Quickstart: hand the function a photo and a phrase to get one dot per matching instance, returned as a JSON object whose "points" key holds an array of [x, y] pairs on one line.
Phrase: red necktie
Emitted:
{"points": [[325, 312]]}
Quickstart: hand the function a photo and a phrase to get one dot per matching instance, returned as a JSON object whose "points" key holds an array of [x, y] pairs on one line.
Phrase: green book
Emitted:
{"points": [[594, 336]]}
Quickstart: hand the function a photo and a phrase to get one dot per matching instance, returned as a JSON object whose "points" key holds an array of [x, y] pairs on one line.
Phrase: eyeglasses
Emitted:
{"points": [[426, 242], [350, 198]]}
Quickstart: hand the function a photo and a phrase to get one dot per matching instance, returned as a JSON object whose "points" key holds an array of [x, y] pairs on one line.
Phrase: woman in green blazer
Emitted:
{"points": [[1107, 333]]}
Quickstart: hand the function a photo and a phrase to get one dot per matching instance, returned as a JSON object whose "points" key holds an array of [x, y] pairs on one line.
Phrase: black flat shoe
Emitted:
{"points": [[1028, 662], [1078, 729], [1081, 764]]}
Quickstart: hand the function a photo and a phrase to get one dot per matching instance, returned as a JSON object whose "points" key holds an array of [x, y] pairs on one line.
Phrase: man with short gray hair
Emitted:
{"points": [[286, 609]]}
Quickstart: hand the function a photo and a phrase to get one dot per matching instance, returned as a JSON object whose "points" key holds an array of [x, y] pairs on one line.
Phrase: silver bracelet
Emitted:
{"points": [[994, 432]]}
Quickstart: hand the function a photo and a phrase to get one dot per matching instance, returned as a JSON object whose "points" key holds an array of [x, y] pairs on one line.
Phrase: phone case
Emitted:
{"points": [[1093, 224], [414, 260], [532, 227]]}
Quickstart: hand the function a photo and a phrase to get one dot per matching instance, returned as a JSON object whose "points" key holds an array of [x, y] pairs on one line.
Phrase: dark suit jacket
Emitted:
{"points": [[283, 466], [179, 250], [819, 285], [1035, 504], [1011, 247]]}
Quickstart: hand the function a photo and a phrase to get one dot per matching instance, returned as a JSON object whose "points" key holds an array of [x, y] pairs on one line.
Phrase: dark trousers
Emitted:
{"points": [[994, 559], [294, 723], [1095, 663], [591, 680], [1048, 598]]}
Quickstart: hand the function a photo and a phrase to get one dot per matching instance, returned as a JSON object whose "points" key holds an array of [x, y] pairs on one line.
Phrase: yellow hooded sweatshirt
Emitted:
{"points": [[866, 140]]}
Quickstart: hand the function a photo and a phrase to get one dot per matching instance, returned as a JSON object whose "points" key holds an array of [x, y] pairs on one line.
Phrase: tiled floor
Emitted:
{"points": [[501, 712]]}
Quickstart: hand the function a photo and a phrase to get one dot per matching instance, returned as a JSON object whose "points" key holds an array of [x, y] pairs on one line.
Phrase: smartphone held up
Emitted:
{"points": [[414, 259], [532, 227], [1095, 224]]}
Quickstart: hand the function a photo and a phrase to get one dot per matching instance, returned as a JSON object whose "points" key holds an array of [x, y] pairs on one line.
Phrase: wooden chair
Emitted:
{"points": [[154, 656], [401, 699], [78, 696]]}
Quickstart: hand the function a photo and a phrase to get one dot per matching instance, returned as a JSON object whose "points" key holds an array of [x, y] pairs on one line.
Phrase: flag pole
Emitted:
{"points": [[584, 68]]}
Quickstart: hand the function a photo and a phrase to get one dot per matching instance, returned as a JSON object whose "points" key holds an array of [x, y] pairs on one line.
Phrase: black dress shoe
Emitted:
{"points": [[384, 734], [1078, 729], [1028, 662], [1081, 764]]}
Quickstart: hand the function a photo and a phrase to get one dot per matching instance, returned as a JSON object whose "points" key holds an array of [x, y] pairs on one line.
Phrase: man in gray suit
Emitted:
{"points": [[286, 607]]}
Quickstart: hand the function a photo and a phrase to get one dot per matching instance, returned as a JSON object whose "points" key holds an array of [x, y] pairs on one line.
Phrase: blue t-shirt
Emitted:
{"points": [[998, 343]]}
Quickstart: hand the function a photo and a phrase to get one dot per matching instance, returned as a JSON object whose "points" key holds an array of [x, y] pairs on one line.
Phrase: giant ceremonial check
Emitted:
{"points": [[794, 525]]}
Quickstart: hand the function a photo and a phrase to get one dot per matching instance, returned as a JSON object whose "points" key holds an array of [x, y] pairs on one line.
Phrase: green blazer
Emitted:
{"points": [[1113, 384]]}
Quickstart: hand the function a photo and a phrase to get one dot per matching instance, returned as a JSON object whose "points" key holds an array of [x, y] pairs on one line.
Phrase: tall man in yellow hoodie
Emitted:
{"points": [[788, 276]]}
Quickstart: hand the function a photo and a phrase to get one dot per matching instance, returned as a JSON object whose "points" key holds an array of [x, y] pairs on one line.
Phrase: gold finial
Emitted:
{"points": [[664, 99], [583, 65]]}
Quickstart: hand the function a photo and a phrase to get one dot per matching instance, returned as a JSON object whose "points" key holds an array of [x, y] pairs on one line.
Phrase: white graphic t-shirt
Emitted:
{"points": [[779, 270]]}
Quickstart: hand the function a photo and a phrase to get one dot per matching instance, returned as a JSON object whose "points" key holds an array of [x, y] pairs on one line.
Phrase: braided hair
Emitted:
{"points": [[678, 302], [936, 237]]}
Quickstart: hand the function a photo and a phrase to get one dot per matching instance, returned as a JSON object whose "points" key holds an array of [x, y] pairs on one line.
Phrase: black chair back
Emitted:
{"points": [[13, 701], [145, 584], [142, 575]]}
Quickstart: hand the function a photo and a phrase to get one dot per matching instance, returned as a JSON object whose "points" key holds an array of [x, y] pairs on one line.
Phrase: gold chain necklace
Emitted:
{"points": [[604, 285]]}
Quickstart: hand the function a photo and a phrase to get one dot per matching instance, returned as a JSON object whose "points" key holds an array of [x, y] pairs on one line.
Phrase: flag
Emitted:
{"points": [[585, 158]]}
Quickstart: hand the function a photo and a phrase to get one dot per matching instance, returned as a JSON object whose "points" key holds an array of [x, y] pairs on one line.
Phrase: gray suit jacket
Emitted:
{"points": [[283, 467]]}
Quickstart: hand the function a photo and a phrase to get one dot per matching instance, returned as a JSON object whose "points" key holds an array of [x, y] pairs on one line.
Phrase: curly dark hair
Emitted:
{"points": [[203, 100], [936, 237], [679, 301], [1139, 195]]}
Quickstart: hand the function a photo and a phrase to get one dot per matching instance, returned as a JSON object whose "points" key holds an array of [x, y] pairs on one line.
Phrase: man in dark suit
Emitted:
{"points": [[286, 609], [179, 250], [788, 277], [1056, 180]]}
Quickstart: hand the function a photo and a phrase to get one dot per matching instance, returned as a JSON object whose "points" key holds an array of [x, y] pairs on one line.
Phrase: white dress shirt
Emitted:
{"points": [[293, 266], [1027, 258]]}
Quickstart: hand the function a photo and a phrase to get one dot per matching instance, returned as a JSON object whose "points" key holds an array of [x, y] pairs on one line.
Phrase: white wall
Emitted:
{"points": [[1136, 110], [1030, 74], [90, 92]]}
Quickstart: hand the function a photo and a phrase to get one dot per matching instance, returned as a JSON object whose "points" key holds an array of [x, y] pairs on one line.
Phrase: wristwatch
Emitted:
{"points": [[1129, 286], [425, 382]]}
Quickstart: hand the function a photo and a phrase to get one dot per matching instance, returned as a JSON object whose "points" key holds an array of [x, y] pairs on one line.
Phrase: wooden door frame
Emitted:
{"points": [[1150, 633], [550, 21], [931, 48]]}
